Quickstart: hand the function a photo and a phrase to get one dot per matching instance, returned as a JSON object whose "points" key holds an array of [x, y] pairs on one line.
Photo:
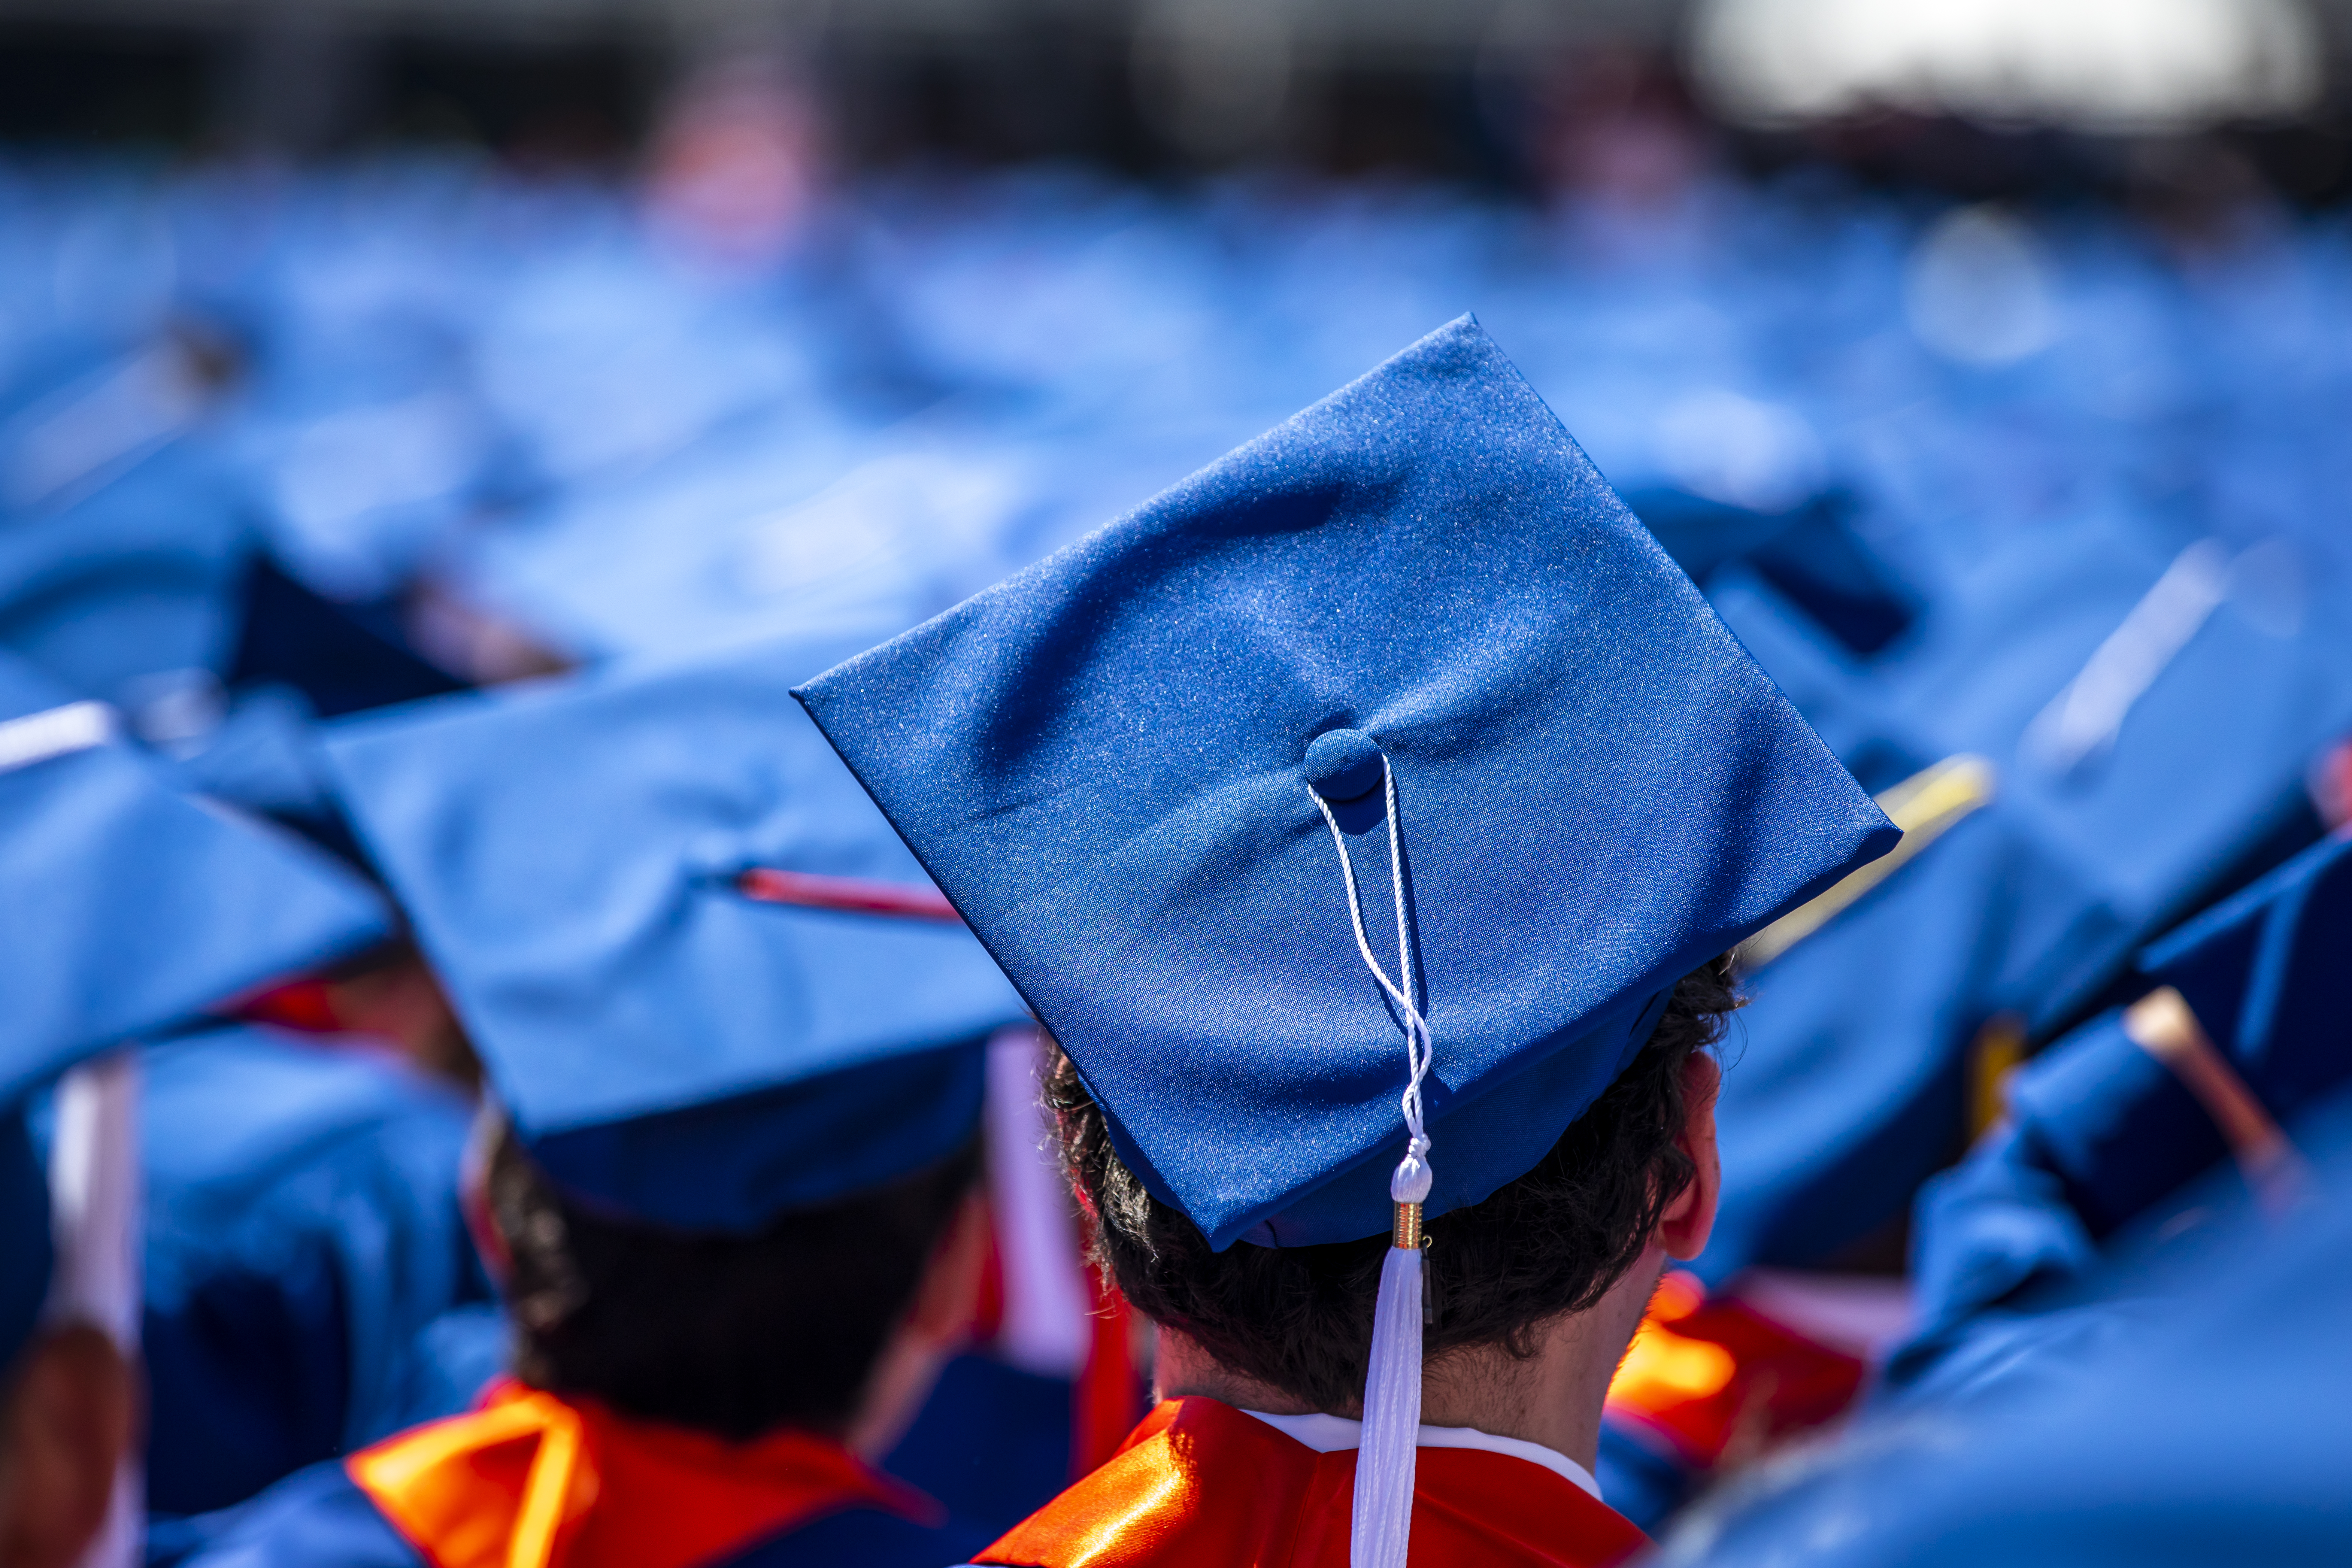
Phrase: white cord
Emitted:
{"points": [[1381, 1518], [1413, 1172]]}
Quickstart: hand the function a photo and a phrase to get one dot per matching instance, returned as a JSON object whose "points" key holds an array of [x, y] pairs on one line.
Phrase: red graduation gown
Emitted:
{"points": [[1200, 1482]]}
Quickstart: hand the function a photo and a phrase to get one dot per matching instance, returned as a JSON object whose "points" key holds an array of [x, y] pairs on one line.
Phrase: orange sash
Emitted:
{"points": [[529, 1480], [1201, 1483]]}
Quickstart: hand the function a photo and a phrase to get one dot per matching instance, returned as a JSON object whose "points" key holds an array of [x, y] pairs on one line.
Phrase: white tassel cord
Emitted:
{"points": [[1381, 1523]]}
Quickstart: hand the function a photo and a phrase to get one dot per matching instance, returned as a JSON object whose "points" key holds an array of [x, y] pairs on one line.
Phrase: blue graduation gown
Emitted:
{"points": [[303, 1228]]}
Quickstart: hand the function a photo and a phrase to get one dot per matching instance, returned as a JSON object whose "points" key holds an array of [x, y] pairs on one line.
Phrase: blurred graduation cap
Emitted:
{"points": [[2147, 727], [126, 592], [2242, 1036], [1118, 763], [343, 658], [2205, 1422], [129, 909], [2082, 739], [1810, 554], [707, 982]]}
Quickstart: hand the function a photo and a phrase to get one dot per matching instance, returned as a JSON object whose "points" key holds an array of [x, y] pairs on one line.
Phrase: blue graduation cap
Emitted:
{"points": [[708, 983], [2243, 1038], [1412, 616], [2132, 731], [127, 909], [2147, 727], [112, 580], [131, 908], [2206, 1423]]}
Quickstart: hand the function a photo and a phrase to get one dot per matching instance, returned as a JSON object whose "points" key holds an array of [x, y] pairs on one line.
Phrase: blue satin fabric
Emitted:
{"points": [[2105, 1138], [302, 1231], [2184, 1407]]}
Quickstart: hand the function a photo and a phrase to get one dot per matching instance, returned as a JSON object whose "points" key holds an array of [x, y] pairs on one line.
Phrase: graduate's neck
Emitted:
{"points": [[1552, 1398]]}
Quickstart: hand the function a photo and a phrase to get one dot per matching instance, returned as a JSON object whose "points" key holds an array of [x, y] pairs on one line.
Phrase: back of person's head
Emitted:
{"points": [[1553, 1241], [733, 1335]]}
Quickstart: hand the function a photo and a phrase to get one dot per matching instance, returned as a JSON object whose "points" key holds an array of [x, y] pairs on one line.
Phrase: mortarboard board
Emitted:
{"points": [[130, 909], [1106, 762], [1415, 606], [706, 980]]}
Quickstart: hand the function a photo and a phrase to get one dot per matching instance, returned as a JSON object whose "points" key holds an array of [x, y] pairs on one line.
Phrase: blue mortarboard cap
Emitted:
{"points": [[2147, 728], [108, 588], [2263, 972], [129, 906], [2105, 1136], [573, 858], [127, 909], [2190, 1411], [1106, 762]]}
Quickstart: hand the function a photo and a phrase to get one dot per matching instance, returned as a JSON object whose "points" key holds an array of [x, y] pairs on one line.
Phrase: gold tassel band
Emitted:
{"points": [[1408, 1226]]}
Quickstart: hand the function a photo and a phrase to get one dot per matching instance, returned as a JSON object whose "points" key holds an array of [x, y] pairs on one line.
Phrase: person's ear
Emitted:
{"points": [[65, 1429], [949, 1293], [1689, 1220]]}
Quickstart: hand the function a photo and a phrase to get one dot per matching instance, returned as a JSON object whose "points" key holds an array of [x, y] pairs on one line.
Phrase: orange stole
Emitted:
{"points": [[1200, 1482], [529, 1480]]}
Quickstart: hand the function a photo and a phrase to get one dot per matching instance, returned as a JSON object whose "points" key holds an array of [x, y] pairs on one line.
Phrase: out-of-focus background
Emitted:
{"points": [[545, 331], [1986, 362]]}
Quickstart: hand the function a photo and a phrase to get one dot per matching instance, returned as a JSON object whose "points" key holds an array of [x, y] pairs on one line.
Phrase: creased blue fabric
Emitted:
{"points": [[668, 1046], [2105, 1140], [1099, 760], [302, 1229], [2186, 1408]]}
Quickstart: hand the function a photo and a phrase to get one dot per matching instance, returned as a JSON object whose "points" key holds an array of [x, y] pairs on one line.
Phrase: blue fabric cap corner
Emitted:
{"points": [[1106, 762], [129, 907], [674, 1042], [125, 909]]}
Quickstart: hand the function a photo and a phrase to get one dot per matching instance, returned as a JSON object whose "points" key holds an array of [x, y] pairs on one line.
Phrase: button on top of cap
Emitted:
{"points": [[1343, 764]]}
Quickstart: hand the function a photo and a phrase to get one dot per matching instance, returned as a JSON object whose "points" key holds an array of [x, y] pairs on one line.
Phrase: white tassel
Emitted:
{"points": [[1381, 1524], [94, 1188]]}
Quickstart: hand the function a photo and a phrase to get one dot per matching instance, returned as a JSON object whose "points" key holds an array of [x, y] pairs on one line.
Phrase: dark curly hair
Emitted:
{"points": [[1300, 1318], [730, 1335]]}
